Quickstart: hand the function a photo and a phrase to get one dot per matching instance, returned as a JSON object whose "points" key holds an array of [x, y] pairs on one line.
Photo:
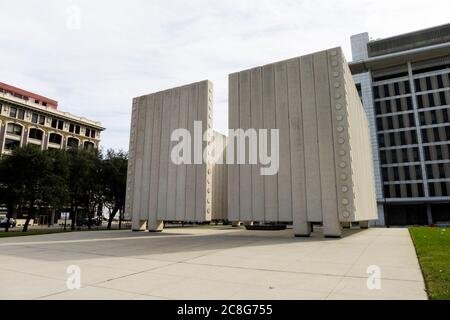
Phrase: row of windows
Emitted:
{"points": [[11, 144], [435, 99], [432, 83], [396, 122], [400, 138], [436, 134], [403, 173], [437, 152], [409, 190], [36, 118], [438, 171], [434, 117], [439, 189], [399, 156], [393, 105], [391, 89]]}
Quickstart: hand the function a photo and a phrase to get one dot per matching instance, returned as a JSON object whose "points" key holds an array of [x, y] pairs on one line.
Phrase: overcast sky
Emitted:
{"points": [[95, 56]]}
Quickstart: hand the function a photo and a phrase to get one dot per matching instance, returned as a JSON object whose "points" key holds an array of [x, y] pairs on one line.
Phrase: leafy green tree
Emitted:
{"points": [[114, 182]]}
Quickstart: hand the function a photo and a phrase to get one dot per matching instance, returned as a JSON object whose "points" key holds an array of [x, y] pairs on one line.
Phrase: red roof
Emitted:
{"points": [[50, 102]]}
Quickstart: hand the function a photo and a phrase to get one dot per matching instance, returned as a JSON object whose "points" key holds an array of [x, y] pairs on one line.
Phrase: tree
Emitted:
{"points": [[114, 182], [24, 180]]}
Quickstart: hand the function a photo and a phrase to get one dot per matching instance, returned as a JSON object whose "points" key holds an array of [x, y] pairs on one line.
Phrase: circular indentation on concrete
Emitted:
{"points": [[346, 214], [337, 84], [209, 171], [340, 129], [208, 201], [336, 74], [208, 190], [342, 153], [342, 165], [208, 210], [337, 95], [339, 118], [339, 106], [341, 140], [344, 189], [344, 201], [343, 177]]}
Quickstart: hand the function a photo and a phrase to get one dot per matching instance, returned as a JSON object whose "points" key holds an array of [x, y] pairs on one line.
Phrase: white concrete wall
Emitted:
{"points": [[326, 170], [157, 188]]}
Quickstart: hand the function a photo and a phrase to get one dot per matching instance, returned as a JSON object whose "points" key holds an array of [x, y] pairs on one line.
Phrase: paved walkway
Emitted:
{"points": [[210, 263]]}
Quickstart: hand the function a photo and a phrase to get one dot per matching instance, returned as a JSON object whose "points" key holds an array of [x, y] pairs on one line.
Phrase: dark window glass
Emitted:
{"points": [[428, 81], [12, 112], [92, 133], [440, 82], [54, 123], [55, 138], [41, 120], [378, 107], [431, 99], [388, 106], [427, 153], [409, 103], [419, 102], [400, 121], [21, 114], [431, 189], [87, 133], [397, 89], [60, 125], [381, 140], [442, 99], [407, 88], [11, 144], [72, 128], [386, 90], [34, 118], [444, 189], [376, 93], [417, 84], [77, 129], [408, 191], [36, 134], [14, 129]]}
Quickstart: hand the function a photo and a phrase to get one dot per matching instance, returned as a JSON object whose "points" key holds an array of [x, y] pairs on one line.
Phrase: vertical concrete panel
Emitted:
{"points": [[131, 166], [269, 121], [192, 168], [181, 169], [301, 225], [331, 222], [245, 170], [156, 152], [282, 123], [201, 179], [310, 140], [172, 167], [233, 169], [148, 103], [164, 156], [139, 156], [256, 112]]}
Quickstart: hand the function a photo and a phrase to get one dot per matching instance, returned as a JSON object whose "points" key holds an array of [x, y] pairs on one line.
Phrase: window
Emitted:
{"points": [[87, 133], [36, 134], [34, 118], [14, 129], [54, 123], [92, 133], [41, 120], [71, 128], [55, 138], [11, 144], [60, 125], [21, 114], [72, 143], [88, 145], [12, 112], [77, 129]]}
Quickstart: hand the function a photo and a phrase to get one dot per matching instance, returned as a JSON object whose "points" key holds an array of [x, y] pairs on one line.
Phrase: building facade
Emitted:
{"points": [[404, 84], [28, 118]]}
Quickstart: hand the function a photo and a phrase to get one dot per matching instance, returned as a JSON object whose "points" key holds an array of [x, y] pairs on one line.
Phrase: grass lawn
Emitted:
{"points": [[433, 251]]}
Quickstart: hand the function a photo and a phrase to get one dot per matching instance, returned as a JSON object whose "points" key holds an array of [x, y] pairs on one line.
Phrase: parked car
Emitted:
{"points": [[4, 222], [95, 221]]}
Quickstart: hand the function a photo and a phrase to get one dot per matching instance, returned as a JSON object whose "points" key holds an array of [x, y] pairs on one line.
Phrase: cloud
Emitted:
{"points": [[127, 49]]}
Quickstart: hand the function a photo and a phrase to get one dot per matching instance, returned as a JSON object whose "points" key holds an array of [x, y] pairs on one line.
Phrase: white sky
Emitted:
{"points": [[130, 48]]}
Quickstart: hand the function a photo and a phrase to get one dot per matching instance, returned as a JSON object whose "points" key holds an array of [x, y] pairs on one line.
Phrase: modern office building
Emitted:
{"points": [[28, 118], [404, 83]]}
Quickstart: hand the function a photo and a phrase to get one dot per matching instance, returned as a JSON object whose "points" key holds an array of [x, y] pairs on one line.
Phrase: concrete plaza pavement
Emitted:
{"points": [[211, 263]]}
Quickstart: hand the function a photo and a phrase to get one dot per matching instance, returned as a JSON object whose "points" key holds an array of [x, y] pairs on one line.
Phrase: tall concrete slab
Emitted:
{"points": [[325, 171], [158, 189]]}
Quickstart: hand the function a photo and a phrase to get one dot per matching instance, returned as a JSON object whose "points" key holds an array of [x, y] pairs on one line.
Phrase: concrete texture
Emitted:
{"points": [[326, 172], [210, 263], [157, 188], [219, 178]]}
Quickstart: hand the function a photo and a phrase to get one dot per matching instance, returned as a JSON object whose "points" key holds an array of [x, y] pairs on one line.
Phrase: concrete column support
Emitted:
{"points": [[429, 214], [139, 225], [155, 225]]}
